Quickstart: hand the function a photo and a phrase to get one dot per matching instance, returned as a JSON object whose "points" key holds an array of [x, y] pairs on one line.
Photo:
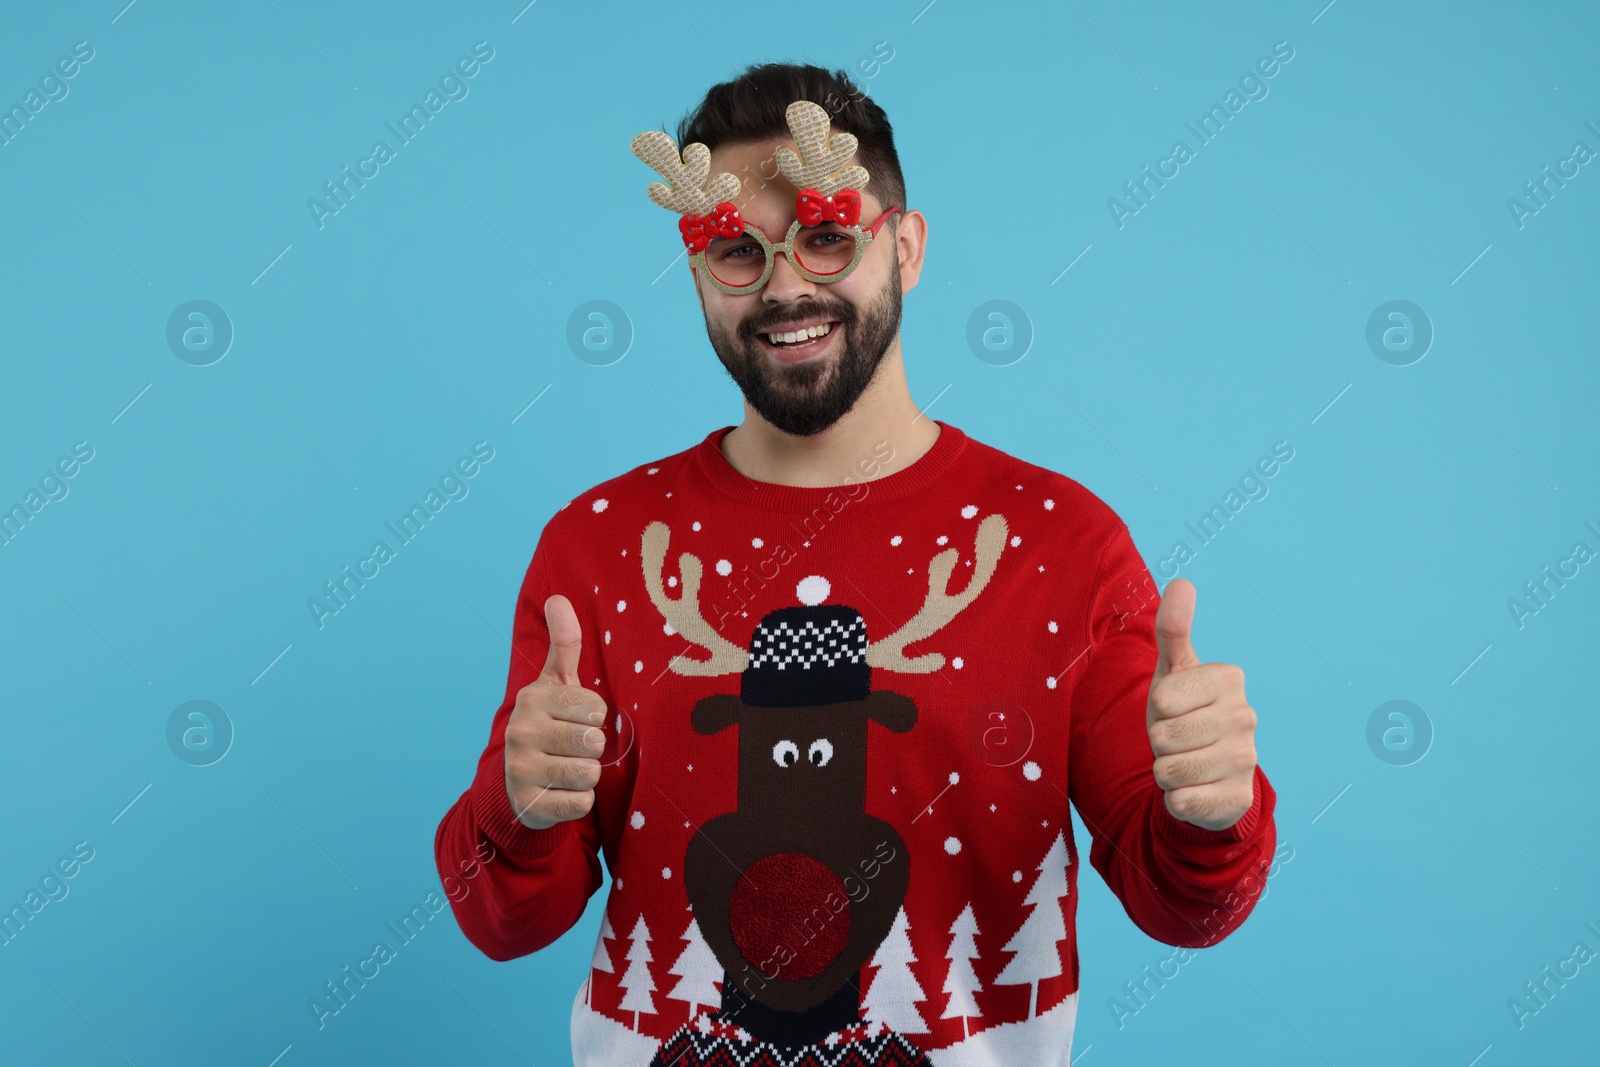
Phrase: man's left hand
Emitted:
{"points": [[1202, 731]]}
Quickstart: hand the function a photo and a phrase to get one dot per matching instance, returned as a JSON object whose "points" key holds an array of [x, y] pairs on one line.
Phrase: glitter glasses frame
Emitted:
{"points": [[864, 237]]}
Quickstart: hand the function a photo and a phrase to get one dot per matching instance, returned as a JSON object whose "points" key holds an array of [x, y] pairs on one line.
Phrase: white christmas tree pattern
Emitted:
{"points": [[892, 997], [698, 972], [962, 981], [602, 955], [637, 982], [1037, 956]]}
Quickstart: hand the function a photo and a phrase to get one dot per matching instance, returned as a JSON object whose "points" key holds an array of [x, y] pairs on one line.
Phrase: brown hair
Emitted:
{"points": [[751, 107]]}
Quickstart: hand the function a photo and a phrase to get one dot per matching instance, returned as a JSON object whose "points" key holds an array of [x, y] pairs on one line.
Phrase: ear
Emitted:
{"points": [[893, 710], [715, 713]]}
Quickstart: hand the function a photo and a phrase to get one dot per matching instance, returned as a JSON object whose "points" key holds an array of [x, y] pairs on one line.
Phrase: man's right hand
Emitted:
{"points": [[551, 764]]}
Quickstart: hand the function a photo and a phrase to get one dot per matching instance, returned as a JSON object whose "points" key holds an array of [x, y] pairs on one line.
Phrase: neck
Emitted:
{"points": [[849, 450]]}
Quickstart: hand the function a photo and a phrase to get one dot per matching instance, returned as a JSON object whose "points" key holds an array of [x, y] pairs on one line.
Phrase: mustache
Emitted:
{"points": [[844, 314]]}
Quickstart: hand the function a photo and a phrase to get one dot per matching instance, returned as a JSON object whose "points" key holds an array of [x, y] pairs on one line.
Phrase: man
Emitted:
{"points": [[807, 852]]}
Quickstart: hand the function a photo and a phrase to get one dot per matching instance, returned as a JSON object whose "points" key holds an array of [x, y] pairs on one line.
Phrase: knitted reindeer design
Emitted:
{"points": [[777, 884]]}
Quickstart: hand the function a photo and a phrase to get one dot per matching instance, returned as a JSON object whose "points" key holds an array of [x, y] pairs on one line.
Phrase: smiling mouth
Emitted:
{"points": [[791, 344]]}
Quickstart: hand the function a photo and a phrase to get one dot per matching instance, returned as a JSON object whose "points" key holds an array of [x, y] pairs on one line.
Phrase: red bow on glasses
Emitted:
{"points": [[811, 207], [698, 230]]}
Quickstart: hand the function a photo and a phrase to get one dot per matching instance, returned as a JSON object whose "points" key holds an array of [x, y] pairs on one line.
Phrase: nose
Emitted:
{"points": [[780, 893], [786, 285]]}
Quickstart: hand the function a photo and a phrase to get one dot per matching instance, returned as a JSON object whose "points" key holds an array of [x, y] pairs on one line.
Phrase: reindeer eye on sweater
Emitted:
{"points": [[821, 752], [786, 753]]}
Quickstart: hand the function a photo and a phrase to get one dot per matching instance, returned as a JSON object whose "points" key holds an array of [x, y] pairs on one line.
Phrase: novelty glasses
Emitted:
{"points": [[825, 242]]}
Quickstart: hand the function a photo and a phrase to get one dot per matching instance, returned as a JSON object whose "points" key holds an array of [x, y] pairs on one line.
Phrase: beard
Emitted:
{"points": [[804, 399]]}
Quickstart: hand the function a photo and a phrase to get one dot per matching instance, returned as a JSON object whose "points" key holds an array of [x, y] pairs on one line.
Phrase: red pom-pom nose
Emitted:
{"points": [[787, 903]]}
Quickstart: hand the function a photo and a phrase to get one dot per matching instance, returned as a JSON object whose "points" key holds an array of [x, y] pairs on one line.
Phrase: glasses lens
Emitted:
{"points": [[736, 261], [825, 249]]}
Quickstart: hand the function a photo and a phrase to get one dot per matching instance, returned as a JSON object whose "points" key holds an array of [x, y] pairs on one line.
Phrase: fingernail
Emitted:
{"points": [[597, 717], [594, 739]]}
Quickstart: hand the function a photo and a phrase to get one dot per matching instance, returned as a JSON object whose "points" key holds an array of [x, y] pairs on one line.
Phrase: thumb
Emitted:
{"points": [[1174, 618], [566, 641]]}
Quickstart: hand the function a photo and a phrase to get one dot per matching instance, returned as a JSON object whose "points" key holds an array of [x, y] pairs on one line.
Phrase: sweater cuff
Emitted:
{"points": [[1176, 830], [491, 809]]}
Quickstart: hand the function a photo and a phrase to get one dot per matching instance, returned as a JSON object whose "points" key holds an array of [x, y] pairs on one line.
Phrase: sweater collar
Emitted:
{"points": [[772, 496]]}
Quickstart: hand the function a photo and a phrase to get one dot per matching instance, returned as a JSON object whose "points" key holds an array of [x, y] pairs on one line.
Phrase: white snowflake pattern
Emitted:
{"points": [[638, 666], [600, 504], [952, 845], [1049, 505], [724, 568], [636, 820], [969, 511], [608, 637], [957, 663], [622, 605], [1050, 682], [666, 872], [943, 539], [652, 470], [895, 540], [695, 525], [1053, 626], [1016, 540], [1031, 771], [1016, 876], [667, 629], [756, 542]]}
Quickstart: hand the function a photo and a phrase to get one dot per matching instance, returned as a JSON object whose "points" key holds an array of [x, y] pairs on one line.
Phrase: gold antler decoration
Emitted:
{"points": [[683, 614], [821, 157], [940, 607], [687, 191]]}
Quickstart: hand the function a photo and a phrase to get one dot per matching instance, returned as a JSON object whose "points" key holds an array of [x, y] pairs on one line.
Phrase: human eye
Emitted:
{"points": [[737, 251]]}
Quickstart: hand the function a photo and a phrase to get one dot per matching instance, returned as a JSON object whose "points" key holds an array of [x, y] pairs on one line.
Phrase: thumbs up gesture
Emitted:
{"points": [[1202, 731], [554, 737]]}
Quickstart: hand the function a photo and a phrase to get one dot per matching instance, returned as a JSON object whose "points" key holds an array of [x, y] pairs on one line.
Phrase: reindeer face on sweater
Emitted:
{"points": [[796, 888]]}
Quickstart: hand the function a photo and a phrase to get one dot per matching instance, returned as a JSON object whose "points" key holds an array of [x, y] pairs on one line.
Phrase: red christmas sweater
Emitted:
{"points": [[843, 728]]}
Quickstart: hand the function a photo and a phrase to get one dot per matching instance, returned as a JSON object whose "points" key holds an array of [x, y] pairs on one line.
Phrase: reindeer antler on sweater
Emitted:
{"points": [[820, 164], [683, 613], [941, 606], [687, 191]]}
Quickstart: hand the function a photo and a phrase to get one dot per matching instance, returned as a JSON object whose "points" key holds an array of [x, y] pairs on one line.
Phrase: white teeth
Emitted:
{"points": [[800, 335]]}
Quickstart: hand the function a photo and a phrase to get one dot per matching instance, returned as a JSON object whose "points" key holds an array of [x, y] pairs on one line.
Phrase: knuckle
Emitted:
{"points": [[575, 805], [1161, 734], [1170, 771], [1170, 734], [566, 739], [1201, 804], [1185, 804], [581, 773]]}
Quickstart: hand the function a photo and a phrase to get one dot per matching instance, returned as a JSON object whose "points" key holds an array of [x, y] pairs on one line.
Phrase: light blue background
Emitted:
{"points": [[427, 314]]}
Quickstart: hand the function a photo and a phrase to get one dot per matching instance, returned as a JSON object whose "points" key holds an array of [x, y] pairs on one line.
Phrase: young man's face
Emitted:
{"points": [[804, 389]]}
